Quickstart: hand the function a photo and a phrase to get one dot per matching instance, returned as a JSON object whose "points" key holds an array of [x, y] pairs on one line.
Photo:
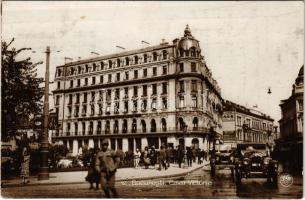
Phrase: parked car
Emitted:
{"points": [[252, 160]]}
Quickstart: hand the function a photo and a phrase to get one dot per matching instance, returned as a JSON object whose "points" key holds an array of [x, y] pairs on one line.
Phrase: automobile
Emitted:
{"points": [[252, 161], [69, 162], [224, 156]]}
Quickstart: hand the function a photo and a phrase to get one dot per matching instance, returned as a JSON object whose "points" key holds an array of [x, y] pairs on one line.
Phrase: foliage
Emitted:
{"points": [[21, 91]]}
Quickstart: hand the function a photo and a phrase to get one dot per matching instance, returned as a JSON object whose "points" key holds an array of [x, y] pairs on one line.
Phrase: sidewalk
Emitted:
{"points": [[122, 174]]}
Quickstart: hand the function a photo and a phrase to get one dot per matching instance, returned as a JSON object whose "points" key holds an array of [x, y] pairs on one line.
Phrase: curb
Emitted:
{"points": [[3, 185]]}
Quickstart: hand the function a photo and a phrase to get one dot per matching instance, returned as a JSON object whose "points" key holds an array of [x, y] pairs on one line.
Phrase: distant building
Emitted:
{"points": [[138, 98], [290, 143], [243, 125]]}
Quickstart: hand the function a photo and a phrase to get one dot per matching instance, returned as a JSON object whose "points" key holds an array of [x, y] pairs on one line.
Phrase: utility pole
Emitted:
{"points": [[44, 148]]}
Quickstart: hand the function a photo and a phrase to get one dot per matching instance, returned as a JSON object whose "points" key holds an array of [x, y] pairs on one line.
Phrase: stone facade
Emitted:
{"points": [[145, 97]]}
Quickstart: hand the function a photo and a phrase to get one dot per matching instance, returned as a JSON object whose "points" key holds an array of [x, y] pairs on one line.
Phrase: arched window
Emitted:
{"points": [[110, 64], [164, 55], [153, 127], [134, 126], [87, 68], [155, 56], [124, 129], [118, 62], [145, 58], [181, 52], [107, 127], [136, 60], [143, 125], [126, 61], [193, 52], [102, 65], [181, 124], [195, 124], [116, 126], [94, 67], [79, 69], [99, 127], [163, 123]]}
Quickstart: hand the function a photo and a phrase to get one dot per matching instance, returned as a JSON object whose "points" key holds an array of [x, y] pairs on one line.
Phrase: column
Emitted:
{"points": [[125, 144], [144, 142], [91, 143], [75, 148]]}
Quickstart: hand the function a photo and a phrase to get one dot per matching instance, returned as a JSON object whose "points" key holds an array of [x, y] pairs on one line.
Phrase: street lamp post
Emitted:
{"points": [[44, 148]]}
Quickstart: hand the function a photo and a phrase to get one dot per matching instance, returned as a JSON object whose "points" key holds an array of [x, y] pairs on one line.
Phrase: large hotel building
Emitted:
{"points": [[144, 97]]}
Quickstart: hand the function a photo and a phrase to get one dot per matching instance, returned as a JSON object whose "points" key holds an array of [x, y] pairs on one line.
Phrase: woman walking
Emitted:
{"points": [[25, 166]]}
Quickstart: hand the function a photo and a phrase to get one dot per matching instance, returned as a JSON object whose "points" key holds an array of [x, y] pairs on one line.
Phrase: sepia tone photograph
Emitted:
{"points": [[156, 99]]}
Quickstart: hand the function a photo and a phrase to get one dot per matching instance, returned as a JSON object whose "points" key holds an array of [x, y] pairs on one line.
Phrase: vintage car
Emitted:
{"points": [[253, 160], [223, 157]]}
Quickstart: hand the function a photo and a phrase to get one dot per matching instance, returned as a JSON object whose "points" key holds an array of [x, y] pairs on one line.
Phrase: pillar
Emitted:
{"points": [[144, 142], [125, 144], [75, 148], [91, 143]]}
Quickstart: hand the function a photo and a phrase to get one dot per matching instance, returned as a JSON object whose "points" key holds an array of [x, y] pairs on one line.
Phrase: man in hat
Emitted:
{"points": [[107, 161]]}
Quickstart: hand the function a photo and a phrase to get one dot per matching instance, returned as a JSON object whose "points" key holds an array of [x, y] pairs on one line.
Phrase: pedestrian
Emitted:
{"points": [[169, 155], [93, 175], [189, 156], [180, 155], [146, 158], [25, 165], [137, 156], [107, 162], [162, 158], [153, 156]]}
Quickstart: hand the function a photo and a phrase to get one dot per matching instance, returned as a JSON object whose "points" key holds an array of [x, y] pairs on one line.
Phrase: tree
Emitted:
{"points": [[21, 93]]}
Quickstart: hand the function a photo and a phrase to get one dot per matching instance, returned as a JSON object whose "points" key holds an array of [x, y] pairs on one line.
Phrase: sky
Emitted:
{"points": [[249, 46]]}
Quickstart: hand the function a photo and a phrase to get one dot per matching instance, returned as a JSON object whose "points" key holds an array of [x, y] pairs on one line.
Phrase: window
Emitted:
{"points": [[76, 128], [57, 100], [118, 77], [107, 127], [85, 97], [136, 60], [164, 70], [181, 101], [238, 121], [155, 56], [154, 104], [94, 67], [264, 126], [58, 85], [163, 124], [101, 79], [117, 93], [145, 58], [69, 111], [153, 125], [194, 86], [164, 88], [77, 98], [100, 109], [79, 69], [100, 95], [108, 96], [248, 122], [109, 64], [195, 124], [70, 99], [109, 78], [124, 128], [87, 68], [181, 83], [83, 128], [194, 101], [135, 106], [154, 71], [144, 90], [92, 109], [135, 91], [93, 80], [125, 106], [116, 107], [68, 128], [135, 75], [99, 128], [102, 65], [143, 124], [116, 126], [300, 105], [58, 72], [164, 55], [118, 61], [126, 75], [71, 83], [108, 108], [76, 111], [181, 67], [193, 67], [144, 72], [126, 92], [92, 96], [154, 89], [84, 111], [127, 61], [78, 82], [86, 82], [164, 103], [144, 105]]}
